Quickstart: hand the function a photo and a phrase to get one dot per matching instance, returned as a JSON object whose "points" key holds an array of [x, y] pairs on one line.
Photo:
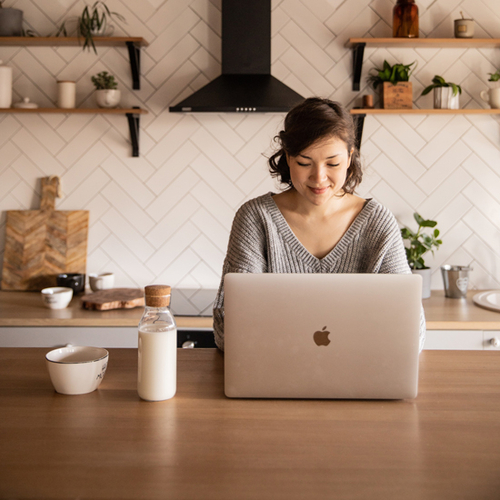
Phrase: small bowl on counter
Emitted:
{"points": [[77, 370], [57, 297]]}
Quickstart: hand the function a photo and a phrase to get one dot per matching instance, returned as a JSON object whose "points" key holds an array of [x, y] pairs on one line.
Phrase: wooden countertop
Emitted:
{"points": [[201, 445], [26, 309]]}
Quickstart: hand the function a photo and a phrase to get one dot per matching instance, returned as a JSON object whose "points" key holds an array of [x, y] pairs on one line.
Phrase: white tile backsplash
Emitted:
{"points": [[166, 216]]}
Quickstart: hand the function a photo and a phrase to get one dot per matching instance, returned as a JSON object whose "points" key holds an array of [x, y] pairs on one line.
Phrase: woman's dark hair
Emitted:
{"points": [[308, 122]]}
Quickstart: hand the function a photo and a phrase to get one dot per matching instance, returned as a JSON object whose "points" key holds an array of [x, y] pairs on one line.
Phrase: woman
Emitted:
{"points": [[318, 224]]}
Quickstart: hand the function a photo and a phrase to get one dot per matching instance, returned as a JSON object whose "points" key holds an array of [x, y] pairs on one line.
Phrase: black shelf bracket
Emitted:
{"points": [[134, 53], [358, 51], [133, 124], [359, 122]]}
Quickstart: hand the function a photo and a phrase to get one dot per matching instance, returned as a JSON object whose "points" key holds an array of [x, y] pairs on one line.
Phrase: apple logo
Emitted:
{"points": [[321, 337]]}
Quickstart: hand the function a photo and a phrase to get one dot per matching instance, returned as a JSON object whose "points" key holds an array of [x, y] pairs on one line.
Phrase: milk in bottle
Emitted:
{"points": [[157, 372]]}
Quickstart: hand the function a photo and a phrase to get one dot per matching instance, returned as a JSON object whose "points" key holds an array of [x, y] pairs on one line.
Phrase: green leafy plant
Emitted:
{"points": [[92, 21], [494, 77], [420, 243], [394, 74], [104, 80], [439, 81]]}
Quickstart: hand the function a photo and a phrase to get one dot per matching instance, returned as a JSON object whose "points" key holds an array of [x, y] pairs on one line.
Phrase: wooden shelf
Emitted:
{"points": [[133, 45], [105, 111], [473, 43], [67, 41], [419, 111]]}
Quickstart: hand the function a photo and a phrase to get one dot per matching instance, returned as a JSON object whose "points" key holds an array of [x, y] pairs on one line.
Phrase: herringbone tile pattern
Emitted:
{"points": [[165, 217]]}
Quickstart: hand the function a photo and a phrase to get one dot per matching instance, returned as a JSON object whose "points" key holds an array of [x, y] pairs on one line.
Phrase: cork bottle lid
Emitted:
{"points": [[157, 295]]}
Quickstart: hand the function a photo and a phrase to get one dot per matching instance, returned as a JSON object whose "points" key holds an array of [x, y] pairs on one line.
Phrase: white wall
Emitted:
{"points": [[165, 217]]}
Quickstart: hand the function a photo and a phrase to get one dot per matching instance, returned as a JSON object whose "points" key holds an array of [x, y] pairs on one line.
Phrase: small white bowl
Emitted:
{"points": [[77, 369], [57, 297]]}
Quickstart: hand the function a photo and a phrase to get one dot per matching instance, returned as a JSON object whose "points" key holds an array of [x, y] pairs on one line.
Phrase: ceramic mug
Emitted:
{"points": [[492, 97], [102, 281], [76, 281]]}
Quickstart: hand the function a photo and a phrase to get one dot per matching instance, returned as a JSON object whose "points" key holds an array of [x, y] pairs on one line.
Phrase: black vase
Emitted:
{"points": [[11, 22]]}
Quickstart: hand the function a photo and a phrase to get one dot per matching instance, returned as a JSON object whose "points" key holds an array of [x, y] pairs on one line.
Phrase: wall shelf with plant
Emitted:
{"points": [[133, 45], [358, 46]]}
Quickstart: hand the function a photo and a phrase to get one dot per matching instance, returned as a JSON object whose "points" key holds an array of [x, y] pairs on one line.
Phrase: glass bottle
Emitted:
{"points": [[157, 370], [405, 19]]}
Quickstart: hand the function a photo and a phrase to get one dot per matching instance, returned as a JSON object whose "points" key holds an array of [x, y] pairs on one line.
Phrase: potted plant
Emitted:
{"points": [[419, 244], [396, 87], [492, 96], [93, 21], [11, 21], [446, 94], [106, 94]]}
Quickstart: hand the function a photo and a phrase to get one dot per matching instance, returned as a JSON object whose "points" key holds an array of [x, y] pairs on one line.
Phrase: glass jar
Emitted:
{"points": [[157, 368], [405, 19]]}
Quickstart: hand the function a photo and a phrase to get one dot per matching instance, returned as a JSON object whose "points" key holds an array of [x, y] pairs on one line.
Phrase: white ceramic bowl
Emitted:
{"points": [[77, 369], [57, 297]]}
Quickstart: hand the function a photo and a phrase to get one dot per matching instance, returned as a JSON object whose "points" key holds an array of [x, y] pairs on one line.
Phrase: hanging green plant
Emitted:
{"points": [[93, 21]]}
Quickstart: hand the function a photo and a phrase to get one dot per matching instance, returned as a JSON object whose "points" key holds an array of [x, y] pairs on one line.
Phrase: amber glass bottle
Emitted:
{"points": [[405, 19]]}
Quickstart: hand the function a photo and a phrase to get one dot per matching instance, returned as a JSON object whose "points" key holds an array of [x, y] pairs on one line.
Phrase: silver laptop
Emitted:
{"points": [[346, 336]]}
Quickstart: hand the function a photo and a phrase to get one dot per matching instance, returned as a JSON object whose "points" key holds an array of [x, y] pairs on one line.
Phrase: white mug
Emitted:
{"points": [[102, 281], [492, 97]]}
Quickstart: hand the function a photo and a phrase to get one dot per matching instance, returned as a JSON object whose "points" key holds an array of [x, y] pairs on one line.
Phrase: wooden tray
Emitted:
{"points": [[114, 298]]}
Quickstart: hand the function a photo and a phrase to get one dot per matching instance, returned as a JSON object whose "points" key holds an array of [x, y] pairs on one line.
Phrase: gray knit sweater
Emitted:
{"points": [[261, 241]]}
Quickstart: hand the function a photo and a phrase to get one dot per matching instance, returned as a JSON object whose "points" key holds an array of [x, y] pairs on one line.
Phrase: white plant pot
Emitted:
{"points": [[426, 281], [108, 98], [444, 98]]}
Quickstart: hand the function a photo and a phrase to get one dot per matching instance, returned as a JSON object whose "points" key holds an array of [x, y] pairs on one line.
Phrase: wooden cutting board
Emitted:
{"points": [[42, 243], [114, 298]]}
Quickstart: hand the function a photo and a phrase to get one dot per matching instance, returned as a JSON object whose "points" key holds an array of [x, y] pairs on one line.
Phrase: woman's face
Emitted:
{"points": [[318, 173]]}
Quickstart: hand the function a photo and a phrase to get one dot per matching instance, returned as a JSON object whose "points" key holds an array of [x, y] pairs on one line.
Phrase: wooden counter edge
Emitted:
{"points": [[182, 322]]}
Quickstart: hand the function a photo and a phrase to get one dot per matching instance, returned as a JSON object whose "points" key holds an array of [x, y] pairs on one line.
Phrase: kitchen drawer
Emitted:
{"points": [[461, 339]]}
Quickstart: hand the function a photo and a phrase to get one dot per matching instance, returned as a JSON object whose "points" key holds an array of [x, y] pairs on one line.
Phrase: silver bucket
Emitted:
{"points": [[456, 280]]}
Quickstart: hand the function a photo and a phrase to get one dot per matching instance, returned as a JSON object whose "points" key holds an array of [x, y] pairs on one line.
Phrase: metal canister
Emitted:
{"points": [[456, 280]]}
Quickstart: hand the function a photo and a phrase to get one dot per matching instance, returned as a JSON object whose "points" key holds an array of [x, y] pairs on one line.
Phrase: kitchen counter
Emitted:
{"points": [[26, 309], [201, 445]]}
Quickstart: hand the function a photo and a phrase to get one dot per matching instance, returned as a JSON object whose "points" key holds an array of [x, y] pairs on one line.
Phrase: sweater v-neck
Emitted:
{"points": [[300, 250]]}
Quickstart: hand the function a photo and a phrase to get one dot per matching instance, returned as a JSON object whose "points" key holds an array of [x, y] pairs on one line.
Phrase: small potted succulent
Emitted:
{"points": [[107, 94], [396, 87], [419, 243], [446, 94]]}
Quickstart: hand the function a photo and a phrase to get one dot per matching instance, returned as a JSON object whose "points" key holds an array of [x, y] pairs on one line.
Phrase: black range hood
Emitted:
{"points": [[246, 83]]}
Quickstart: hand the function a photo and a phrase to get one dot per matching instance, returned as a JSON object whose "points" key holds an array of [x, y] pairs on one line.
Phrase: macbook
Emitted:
{"points": [[336, 336]]}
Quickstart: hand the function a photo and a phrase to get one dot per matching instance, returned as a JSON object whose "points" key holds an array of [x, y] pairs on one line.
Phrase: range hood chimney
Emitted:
{"points": [[246, 83]]}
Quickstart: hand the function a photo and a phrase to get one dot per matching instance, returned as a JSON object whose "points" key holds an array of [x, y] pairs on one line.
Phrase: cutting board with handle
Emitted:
{"points": [[114, 298], [40, 244]]}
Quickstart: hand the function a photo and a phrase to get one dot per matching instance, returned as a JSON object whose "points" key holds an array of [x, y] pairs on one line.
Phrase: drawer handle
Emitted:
{"points": [[189, 344], [495, 342]]}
